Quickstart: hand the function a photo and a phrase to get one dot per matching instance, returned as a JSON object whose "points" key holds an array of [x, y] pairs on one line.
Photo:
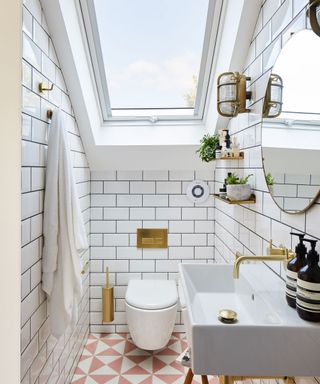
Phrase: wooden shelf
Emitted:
{"points": [[241, 157], [252, 200]]}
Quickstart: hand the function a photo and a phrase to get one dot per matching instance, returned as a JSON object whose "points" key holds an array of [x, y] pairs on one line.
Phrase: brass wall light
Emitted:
{"points": [[232, 94], [272, 106], [314, 15]]}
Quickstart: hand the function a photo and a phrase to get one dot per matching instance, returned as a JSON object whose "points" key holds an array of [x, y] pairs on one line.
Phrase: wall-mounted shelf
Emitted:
{"points": [[252, 200], [240, 157]]}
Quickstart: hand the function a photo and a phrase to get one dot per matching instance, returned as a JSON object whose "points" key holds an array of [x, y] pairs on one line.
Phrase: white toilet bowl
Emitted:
{"points": [[151, 307]]}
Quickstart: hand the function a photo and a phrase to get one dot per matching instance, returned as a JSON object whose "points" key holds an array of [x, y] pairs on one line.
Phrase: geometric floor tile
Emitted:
{"points": [[114, 359]]}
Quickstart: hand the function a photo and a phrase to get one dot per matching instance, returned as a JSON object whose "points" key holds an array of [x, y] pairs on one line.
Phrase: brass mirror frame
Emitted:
{"points": [[312, 13], [282, 209], [261, 148]]}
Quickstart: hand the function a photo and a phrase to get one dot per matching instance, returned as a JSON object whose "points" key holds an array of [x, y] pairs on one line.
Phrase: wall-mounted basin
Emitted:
{"points": [[268, 339]]}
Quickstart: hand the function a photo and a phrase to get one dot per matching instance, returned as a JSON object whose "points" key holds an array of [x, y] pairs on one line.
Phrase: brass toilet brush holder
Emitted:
{"points": [[107, 301]]}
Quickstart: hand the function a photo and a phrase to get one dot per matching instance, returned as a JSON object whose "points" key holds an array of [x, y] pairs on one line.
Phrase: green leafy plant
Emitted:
{"points": [[233, 178], [269, 179], [207, 150]]}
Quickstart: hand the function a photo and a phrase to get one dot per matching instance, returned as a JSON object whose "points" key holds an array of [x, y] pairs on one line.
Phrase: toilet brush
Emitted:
{"points": [[107, 301]]}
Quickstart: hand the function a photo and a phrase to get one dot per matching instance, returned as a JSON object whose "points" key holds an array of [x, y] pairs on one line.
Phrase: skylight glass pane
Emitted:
{"points": [[151, 52]]}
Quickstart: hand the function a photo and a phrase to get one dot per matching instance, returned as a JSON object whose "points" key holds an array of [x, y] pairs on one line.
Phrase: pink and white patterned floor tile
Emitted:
{"points": [[114, 359]]}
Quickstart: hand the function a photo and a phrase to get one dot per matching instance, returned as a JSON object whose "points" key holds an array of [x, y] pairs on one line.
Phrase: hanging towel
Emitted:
{"points": [[64, 233]]}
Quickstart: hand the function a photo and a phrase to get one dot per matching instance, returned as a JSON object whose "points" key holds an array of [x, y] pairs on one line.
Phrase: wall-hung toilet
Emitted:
{"points": [[151, 307]]}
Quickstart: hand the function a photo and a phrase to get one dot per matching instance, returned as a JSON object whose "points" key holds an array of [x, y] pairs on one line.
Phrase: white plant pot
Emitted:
{"points": [[238, 191]]}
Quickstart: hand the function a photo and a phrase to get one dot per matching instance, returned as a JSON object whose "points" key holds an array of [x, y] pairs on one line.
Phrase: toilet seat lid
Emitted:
{"points": [[152, 294]]}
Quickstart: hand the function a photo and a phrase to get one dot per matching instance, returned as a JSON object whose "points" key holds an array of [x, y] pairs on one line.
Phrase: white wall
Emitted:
{"points": [[44, 359], [10, 123], [295, 161], [121, 202]]}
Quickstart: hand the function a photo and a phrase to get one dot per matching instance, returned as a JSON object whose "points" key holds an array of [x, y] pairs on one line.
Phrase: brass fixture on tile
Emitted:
{"points": [[43, 87], [49, 114], [107, 301], [280, 253], [232, 94], [152, 238], [314, 15], [272, 105], [281, 250]]}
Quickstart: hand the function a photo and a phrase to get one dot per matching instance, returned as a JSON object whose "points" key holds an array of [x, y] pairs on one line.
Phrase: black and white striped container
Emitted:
{"points": [[308, 300], [293, 267], [308, 286], [291, 286]]}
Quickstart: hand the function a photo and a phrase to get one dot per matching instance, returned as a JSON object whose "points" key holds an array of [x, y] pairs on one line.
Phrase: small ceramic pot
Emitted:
{"points": [[238, 191]]}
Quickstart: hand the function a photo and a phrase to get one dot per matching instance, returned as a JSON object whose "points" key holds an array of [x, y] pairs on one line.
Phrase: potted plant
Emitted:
{"points": [[207, 150], [237, 188], [269, 179]]}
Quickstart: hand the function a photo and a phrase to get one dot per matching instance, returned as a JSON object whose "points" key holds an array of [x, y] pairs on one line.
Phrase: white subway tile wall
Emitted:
{"points": [[43, 358], [248, 228], [144, 199], [295, 191]]}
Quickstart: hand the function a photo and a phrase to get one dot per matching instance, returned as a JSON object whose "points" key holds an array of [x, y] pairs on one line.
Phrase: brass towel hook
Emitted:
{"points": [[49, 114], [43, 87]]}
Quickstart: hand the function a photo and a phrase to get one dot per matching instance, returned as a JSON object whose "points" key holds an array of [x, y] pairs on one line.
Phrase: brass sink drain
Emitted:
{"points": [[227, 316]]}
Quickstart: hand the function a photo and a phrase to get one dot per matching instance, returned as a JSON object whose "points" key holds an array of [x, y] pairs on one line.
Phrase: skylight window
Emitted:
{"points": [[151, 58]]}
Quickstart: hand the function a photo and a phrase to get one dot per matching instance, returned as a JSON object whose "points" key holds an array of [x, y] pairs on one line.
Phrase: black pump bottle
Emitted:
{"points": [[308, 286], [293, 268]]}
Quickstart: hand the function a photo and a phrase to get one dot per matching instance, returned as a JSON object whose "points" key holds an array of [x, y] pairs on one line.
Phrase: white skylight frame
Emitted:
{"points": [[209, 46]]}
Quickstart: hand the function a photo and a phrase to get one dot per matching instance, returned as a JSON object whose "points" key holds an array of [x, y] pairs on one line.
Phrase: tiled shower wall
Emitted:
{"points": [[123, 201], [45, 359], [248, 228]]}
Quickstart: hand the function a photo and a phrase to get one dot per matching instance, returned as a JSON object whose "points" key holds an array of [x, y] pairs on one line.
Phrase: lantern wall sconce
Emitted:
{"points": [[314, 15], [232, 94], [272, 106]]}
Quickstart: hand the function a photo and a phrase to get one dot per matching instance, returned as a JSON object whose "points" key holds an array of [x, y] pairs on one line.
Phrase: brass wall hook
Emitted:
{"points": [[43, 87], [49, 114]]}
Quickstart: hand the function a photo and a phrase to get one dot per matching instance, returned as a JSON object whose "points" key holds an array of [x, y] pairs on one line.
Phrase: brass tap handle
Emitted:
{"points": [[275, 251], [280, 251]]}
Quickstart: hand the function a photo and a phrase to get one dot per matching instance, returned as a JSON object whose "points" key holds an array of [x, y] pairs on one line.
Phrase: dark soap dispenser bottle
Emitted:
{"points": [[308, 286], [293, 268], [223, 190]]}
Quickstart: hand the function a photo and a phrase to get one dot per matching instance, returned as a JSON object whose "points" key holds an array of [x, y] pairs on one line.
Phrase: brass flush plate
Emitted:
{"points": [[152, 238]]}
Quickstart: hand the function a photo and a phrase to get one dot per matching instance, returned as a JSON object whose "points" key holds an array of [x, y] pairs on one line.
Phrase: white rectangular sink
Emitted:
{"points": [[269, 339]]}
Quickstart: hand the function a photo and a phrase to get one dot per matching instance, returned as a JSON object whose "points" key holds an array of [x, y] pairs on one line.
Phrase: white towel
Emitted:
{"points": [[64, 233]]}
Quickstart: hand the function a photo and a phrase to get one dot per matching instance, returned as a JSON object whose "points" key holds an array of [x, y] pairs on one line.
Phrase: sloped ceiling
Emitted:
{"points": [[151, 146]]}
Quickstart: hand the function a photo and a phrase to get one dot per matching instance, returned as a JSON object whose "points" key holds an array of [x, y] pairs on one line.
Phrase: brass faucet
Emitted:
{"points": [[274, 254]]}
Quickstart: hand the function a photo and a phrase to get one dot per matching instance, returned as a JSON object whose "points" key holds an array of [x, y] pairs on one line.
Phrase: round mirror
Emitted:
{"points": [[291, 124]]}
